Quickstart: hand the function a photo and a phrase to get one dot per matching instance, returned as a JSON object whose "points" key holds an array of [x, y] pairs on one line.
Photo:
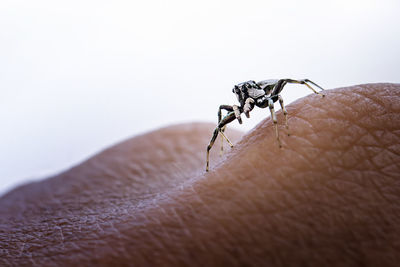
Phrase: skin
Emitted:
{"points": [[329, 197]]}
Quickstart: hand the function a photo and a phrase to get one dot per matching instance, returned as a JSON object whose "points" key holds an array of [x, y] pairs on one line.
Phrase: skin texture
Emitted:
{"points": [[329, 197]]}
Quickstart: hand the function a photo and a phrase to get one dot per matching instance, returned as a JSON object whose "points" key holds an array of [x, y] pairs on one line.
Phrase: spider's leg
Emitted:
{"points": [[225, 107], [229, 109], [227, 119], [231, 116], [313, 83], [215, 134], [305, 82], [221, 152], [285, 113], [226, 138], [273, 116]]}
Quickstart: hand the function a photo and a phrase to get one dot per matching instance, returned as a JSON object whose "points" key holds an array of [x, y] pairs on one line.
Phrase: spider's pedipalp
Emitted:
{"points": [[237, 112], [248, 106]]}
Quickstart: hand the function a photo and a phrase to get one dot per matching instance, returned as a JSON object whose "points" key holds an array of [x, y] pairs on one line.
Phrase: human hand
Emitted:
{"points": [[329, 197]]}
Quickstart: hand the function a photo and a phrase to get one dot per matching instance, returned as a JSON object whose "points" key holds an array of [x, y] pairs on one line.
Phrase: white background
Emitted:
{"points": [[79, 76]]}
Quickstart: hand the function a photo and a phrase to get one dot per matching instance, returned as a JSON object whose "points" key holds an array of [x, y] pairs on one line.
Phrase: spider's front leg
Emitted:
{"points": [[219, 129], [225, 107], [228, 108]]}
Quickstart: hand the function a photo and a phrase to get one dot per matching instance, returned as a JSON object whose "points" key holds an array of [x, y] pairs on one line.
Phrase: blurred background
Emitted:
{"points": [[79, 76]]}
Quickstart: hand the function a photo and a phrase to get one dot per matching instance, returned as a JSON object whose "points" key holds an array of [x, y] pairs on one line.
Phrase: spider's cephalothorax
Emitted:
{"points": [[250, 94]]}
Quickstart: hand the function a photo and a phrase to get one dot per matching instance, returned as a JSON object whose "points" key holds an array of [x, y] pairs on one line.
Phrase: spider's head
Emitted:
{"points": [[238, 92], [241, 90]]}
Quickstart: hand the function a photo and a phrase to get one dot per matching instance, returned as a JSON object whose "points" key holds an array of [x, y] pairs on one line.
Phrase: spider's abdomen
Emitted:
{"points": [[268, 85], [268, 82]]}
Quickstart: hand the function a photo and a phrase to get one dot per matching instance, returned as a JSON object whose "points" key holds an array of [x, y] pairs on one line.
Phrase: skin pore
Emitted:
{"points": [[329, 197]]}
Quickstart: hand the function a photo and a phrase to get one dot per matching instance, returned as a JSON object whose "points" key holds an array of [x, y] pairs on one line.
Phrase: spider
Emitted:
{"points": [[249, 94]]}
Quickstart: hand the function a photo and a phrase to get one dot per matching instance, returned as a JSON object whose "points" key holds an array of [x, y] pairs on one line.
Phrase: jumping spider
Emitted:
{"points": [[249, 94]]}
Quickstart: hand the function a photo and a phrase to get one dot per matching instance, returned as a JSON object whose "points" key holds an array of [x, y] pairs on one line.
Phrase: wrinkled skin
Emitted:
{"points": [[329, 197]]}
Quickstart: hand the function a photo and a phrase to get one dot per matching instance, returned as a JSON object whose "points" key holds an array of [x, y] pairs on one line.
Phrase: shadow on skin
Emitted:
{"points": [[330, 196]]}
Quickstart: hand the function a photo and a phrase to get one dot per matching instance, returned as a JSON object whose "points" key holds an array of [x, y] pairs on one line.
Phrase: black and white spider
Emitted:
{"points": [[250, 94]]}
